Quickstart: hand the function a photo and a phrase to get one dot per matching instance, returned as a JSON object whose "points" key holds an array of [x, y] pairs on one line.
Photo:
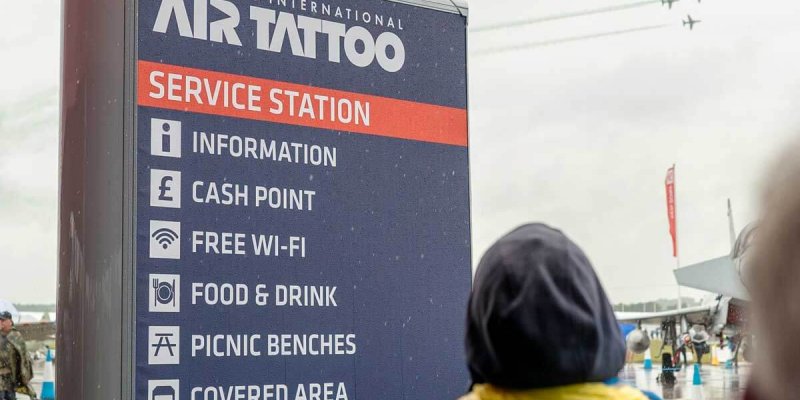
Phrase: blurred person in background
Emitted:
{"points": [[539, 324], [8, 362], [774, 282], [16, 367]]}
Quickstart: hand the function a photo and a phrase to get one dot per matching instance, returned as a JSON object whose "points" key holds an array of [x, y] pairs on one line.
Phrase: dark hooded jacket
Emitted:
{"points": [[538, 316]]}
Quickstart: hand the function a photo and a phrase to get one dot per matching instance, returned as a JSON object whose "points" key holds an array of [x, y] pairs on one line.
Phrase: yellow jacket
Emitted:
{"points": [[584, 391]]}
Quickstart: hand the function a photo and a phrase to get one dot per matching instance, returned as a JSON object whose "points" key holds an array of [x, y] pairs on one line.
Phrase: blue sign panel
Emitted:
{"points": [[302, 205]]}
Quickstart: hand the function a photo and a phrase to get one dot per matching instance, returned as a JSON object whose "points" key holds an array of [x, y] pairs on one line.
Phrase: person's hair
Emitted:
{"points": [[775, 280]]}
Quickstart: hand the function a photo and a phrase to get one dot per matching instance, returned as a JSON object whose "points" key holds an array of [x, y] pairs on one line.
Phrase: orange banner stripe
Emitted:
{"points": [[209, 92]]}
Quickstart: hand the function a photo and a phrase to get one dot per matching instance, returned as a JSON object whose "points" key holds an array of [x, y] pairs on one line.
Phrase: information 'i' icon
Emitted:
{"points": [[165, 137]]}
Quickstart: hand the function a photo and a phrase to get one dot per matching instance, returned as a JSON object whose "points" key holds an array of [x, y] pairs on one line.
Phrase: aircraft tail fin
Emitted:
{"points": [[731, 227]]}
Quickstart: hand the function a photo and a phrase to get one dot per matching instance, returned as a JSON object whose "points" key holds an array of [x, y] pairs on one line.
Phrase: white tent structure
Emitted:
{"points": [[6, 305]]}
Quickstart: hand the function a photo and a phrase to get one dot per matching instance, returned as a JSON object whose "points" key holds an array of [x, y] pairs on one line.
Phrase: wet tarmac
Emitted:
{"points": [[718, 383], [36, 382]]}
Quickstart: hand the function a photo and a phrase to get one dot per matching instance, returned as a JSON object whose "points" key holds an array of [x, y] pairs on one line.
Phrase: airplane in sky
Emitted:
{"points": [[690, 22], [723, 316], [669, 3]]}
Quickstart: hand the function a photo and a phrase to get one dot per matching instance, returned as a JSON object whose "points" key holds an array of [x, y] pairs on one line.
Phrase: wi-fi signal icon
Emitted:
{"points": [[165, 237]]}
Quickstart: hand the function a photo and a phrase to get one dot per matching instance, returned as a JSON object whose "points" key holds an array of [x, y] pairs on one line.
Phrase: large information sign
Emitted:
{"points": [[302, 210]]}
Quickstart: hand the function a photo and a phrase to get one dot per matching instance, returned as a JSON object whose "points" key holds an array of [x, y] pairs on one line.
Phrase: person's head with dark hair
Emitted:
{"points": [[774, 281], [539, 323]]}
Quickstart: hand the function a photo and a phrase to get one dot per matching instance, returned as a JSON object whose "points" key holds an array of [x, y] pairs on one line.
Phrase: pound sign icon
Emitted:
{"points": [[165, 188]]}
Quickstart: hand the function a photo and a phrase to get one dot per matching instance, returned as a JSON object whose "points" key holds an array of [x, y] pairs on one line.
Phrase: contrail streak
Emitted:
{"points": [[556, 17], [567, 40]]}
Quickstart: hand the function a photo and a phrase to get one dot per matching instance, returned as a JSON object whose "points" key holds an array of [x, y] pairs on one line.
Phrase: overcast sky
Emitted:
{"points": [[29, 71], [578, 135]]}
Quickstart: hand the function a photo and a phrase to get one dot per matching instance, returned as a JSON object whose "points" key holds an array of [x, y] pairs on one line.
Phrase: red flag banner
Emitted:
{"points": [[671, 209]]}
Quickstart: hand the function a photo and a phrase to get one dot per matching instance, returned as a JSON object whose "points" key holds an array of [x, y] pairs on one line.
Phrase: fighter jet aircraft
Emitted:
{"points": [[669, 3], [690, 22], [723, 316]]}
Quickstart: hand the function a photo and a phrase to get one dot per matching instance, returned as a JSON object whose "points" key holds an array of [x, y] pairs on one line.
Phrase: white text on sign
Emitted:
{"points": [[303, 391], [272, 29], [231, 243], [238, 294], [272, 345], [235, 194]]}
